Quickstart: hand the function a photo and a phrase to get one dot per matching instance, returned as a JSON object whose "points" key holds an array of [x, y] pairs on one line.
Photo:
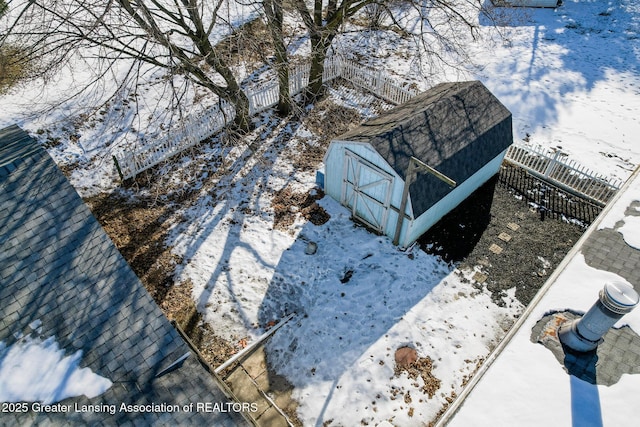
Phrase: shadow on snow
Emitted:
{"points": [[347, 296], [571, 49]]}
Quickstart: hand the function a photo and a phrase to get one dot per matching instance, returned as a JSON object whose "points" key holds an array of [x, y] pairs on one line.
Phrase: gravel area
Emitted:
{"points": [[506, 233]]}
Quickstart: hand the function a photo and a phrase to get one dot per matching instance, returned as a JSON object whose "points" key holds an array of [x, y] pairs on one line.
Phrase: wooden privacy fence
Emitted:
{"points": [[555, 167], [199, 127]]}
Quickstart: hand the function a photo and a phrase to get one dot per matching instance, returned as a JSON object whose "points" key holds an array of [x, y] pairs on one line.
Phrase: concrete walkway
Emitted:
{"points": [[250, 381]]}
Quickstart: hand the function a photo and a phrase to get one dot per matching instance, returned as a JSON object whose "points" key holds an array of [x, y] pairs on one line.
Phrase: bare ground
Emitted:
{"points": [[138, 228]]}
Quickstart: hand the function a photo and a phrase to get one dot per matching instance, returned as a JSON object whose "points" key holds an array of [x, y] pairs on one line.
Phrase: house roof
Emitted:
{"points": [[456, 128], [58, 267]]}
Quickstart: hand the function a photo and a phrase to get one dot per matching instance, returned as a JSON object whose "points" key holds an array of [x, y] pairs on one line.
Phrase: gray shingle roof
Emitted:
{"points": [[58, 265], [455, 128]]}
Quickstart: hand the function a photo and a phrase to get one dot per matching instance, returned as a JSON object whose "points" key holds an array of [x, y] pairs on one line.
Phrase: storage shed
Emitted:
{"points": [[423, 158]]}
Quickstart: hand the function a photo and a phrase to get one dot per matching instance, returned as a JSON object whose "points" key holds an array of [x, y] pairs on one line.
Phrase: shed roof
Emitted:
{"points": [[58, 266], [456, 128]]}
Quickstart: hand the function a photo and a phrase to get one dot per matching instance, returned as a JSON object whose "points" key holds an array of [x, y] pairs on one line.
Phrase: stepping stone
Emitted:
{"points": [[272, 418], [246, 390], [495, 249], [504, 237], [480, 277], [513, 226], [484, 262], [256, 363]]}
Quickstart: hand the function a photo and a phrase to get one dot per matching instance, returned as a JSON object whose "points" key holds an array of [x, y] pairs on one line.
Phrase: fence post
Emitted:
{"points": [[379, 84], [552, 164], [115, 160]]}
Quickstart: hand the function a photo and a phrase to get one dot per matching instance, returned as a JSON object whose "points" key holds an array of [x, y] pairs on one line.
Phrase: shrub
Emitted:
{"points": [[12, 66]]}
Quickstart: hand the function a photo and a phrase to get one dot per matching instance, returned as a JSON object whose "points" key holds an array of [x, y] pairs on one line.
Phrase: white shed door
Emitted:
{"points": [[366, 190]]}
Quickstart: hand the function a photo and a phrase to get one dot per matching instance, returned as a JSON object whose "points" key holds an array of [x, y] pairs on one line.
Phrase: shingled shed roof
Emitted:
{"points": [[456, 128], [60, 270]]}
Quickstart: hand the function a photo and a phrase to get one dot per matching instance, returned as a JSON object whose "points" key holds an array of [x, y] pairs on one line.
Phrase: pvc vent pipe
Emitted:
{"points": [[615, 300]]}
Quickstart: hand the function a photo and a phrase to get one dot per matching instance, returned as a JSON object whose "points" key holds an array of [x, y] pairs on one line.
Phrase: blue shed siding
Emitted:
{"points": [[334, 164], [334, 173], [459, 129], [412, 229]]}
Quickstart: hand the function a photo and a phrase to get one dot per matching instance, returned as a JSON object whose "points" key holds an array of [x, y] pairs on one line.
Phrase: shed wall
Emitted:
{"points": [[411, 229], [334, 164], [334, 170], [425, 221]]}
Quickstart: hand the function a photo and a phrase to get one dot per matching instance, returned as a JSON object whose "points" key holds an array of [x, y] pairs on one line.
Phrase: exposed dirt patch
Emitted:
{"points": [[251, 43], [184, 182], [138, 228], [422, 367], [287, 205], [13, 66], [180, 307], [328, 120]]}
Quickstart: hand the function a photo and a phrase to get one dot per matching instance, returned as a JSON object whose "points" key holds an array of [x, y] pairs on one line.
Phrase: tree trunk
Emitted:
{"points": [[275, 19], [242, 122], [320, 46], [284, 96], [232, 93]]}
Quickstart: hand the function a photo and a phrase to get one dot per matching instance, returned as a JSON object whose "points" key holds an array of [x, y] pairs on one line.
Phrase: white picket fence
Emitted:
{"points": [[376, 82], [555, 167], [197, 128]]}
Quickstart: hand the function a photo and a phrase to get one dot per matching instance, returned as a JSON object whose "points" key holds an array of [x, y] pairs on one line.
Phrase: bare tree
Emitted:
{"points": [[435, 28], [445, 29], [275, 18], [324, 24], [174, 35]]}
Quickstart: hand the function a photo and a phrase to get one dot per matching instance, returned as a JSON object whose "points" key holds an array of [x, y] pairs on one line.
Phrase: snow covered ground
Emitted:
{"points": [[357, 299], [569, 76]]}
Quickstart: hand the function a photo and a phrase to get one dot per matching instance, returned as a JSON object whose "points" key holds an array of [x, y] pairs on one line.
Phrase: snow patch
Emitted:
{"points": [[631, 231], [33, 369]]}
